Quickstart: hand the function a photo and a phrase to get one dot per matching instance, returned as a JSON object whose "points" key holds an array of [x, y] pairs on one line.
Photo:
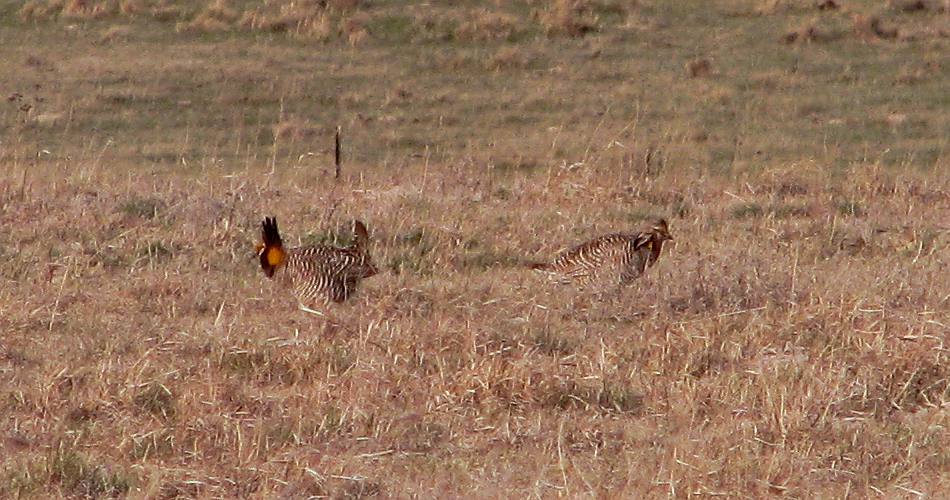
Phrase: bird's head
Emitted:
{"points": [[660, 229]]}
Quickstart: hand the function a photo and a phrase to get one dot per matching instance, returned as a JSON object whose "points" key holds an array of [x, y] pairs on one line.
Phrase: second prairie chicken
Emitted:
{"points": [[319, 273], [612, 259]]}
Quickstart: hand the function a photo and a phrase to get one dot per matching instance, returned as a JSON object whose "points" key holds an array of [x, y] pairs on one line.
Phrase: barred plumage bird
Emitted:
{"points": [[612, 259], [316, 273]]}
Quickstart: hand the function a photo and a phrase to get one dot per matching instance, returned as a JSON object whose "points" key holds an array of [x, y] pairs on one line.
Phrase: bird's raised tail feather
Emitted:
{"points": [[365, 267], [362, 236], [271, 251]]}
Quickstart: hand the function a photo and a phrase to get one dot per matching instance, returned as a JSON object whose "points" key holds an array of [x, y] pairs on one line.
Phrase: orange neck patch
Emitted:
{"points": [[275, 256]]}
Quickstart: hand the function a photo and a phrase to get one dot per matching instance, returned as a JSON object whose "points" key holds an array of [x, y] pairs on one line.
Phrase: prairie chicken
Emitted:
{"points": [[316, 273], [612, 259]]}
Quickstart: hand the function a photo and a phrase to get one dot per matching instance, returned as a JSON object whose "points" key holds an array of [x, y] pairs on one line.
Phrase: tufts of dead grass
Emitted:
{"points": [[47, 10], [35, 11], [572, 18], [910, 6], [353, 28], [869, 28], [216, 17], [314, 19], [487, 25], [132, 8], [296, 129], [115, 34], [309, 19], [812, 31], [167, 13], [84, 9], [698, 68], [508, 58]]}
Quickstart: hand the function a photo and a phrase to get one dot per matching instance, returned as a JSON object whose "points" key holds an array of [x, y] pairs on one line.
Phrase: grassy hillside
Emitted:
{"points": [[791, 342]]}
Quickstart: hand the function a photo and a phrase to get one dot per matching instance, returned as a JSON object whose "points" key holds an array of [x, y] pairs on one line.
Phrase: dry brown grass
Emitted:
{"points": [[793, 341], [487, 25], [871, 27], [699, 68], [568, 17], [115, 34], [767, 352]]}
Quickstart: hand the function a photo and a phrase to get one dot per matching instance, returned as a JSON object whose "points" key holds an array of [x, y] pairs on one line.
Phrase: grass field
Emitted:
{"points": [[791, 342]]}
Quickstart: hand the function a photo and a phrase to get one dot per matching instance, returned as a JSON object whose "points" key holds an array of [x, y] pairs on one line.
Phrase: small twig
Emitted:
{"points": [[59, 294], [217, 319], [348, 478], [920, 249], [795, 272], [560, 456], [377, 454], [908, 490], [616, 139], [23, 184], [590, 140], [425, 171], [723, 315], [273, 159], [311, 311], [336, 153], [736, 196], [334, 203]]}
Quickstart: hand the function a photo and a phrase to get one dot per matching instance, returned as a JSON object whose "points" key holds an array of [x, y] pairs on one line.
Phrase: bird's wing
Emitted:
{"points": [[326, 259], [635, 263], [586, 260]]}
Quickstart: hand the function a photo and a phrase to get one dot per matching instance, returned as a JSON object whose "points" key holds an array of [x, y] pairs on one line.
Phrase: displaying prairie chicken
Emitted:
{"points": [[612, 259], [318, 273]]}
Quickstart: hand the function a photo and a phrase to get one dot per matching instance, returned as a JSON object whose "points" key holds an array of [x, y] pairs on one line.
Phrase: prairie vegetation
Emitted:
{"points": [[791, 341]]}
